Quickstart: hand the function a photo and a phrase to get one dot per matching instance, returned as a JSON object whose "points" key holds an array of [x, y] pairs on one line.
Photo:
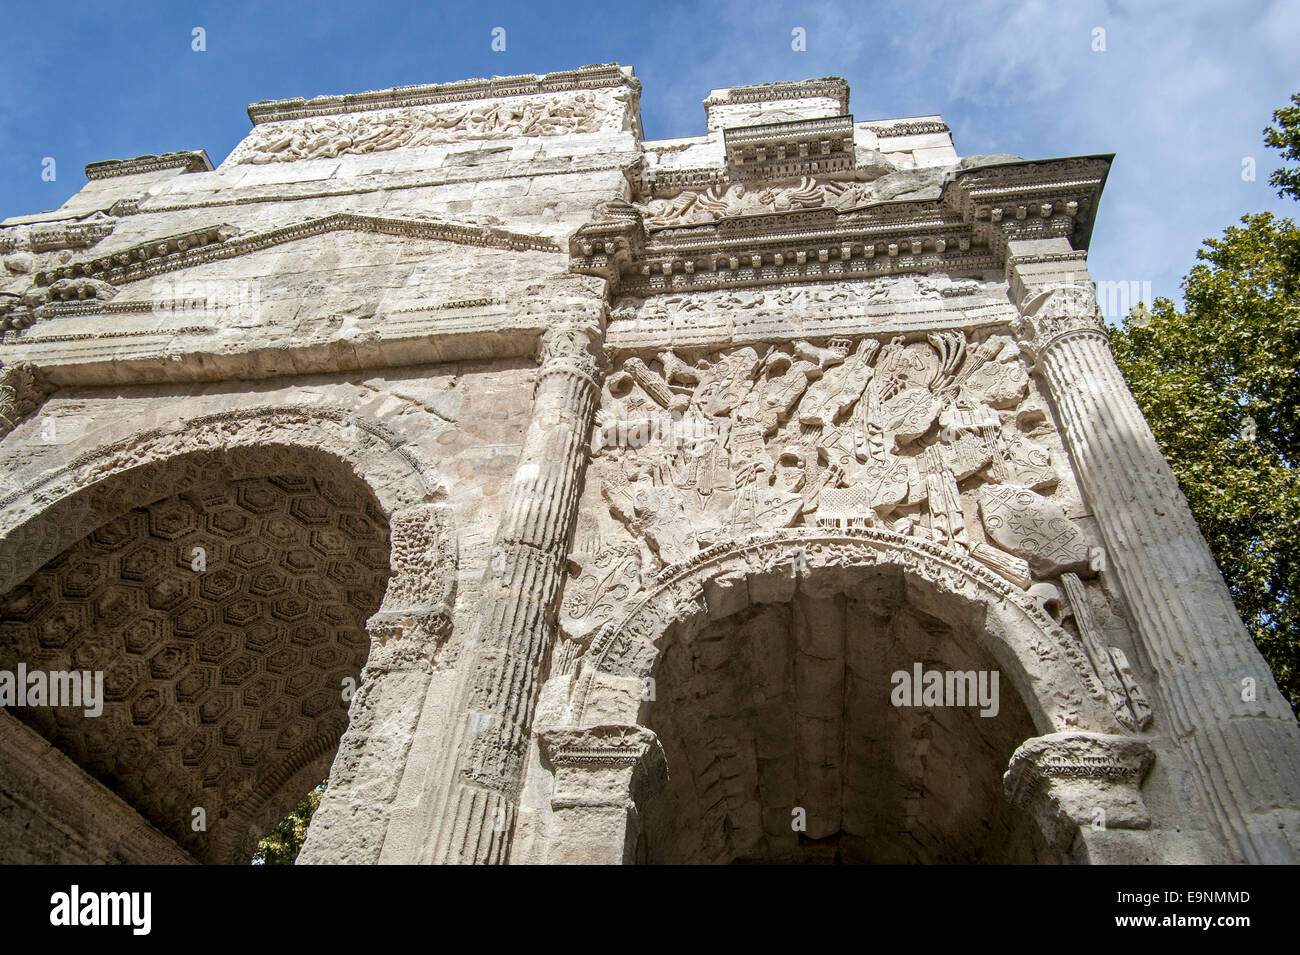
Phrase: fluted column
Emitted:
{"points": [[504, 659], [1246, 755]]}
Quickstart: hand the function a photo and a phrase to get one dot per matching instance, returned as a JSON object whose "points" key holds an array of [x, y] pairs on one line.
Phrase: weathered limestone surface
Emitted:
{"points": [[1247, 745], [563, 496], [56, 814]]}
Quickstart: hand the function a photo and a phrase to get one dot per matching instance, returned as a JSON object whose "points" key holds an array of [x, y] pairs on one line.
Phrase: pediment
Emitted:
{"points": [[217, 242], [187, 271]]}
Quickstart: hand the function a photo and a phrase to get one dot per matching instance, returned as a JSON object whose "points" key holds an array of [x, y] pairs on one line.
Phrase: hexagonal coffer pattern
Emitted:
{"points": [[216, 681]]}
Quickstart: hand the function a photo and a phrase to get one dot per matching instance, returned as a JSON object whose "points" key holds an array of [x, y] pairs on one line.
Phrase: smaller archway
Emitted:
{"points": [[783, 745], [226, 621], [745, 703]]}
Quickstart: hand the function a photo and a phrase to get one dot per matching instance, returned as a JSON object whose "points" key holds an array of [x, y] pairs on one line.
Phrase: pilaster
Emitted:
{"points": [[414, 622], [1084, 791], [601, 774]]}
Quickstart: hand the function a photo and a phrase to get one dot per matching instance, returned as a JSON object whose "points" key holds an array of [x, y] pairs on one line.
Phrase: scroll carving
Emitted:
{"points": [[22, 391], [935, 440]]}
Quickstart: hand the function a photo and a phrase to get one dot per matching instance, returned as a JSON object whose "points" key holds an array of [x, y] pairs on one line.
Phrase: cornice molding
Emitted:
{"points": [[919, 128], [831, 87], [1006, 201], [51, 237], [597, 76], [602, 745], [1040, 258], [216, 242], [187, 160], [804, 147], [967, 228]]}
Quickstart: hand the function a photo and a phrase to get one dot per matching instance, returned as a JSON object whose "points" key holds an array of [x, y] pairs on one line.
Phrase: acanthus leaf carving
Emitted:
{"points": [[22, 391], [574, 347], [1057, 313], [598, 586]]}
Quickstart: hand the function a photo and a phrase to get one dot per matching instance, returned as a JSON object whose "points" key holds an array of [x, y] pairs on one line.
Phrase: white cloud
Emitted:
{"points": [[1180, 95]]}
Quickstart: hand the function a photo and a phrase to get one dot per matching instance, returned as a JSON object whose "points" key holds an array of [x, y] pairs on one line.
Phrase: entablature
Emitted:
{"points": [[783, 150], [967, 228]]}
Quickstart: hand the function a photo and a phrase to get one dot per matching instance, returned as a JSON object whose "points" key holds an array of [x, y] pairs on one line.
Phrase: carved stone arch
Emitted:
{"points": [[105, 483], [1044, 662], [608, 746], [106, 479]]}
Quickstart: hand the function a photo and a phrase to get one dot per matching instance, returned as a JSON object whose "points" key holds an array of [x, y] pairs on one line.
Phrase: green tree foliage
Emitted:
{"points": [[1219, 383], [281, 845], [1285, 137]]}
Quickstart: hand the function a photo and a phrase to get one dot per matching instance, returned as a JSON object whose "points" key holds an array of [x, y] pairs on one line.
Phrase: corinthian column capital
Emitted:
{"points": [[574, 345], [1056, 314], [22, 391]]}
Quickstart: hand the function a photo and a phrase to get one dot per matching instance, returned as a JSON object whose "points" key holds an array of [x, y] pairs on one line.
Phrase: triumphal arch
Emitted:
{"points": [[765, 495]]}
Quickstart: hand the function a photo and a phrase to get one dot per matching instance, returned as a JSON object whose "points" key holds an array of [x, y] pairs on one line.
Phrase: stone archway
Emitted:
{"points": [[105, 478], [782, 745], [324, 549], [753, 682]]}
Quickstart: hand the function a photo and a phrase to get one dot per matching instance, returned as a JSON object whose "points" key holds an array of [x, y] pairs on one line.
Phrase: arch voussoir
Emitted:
{"points": [[106, 479], [1044, 661]]}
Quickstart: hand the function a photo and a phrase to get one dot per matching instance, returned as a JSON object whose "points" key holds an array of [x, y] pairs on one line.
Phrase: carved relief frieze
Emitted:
{"points": [[79, 286], [694, 206], [843, 308], [696, 450], [378, 131], [598, 584], [716, 231], [1110, 663]]}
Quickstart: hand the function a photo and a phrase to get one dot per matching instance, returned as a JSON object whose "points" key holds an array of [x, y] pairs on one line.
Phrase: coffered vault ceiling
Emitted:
{"points": [[223, 678]]}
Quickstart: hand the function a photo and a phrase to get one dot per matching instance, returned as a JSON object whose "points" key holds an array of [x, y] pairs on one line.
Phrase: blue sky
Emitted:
{"points": [[1180, 94]]}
